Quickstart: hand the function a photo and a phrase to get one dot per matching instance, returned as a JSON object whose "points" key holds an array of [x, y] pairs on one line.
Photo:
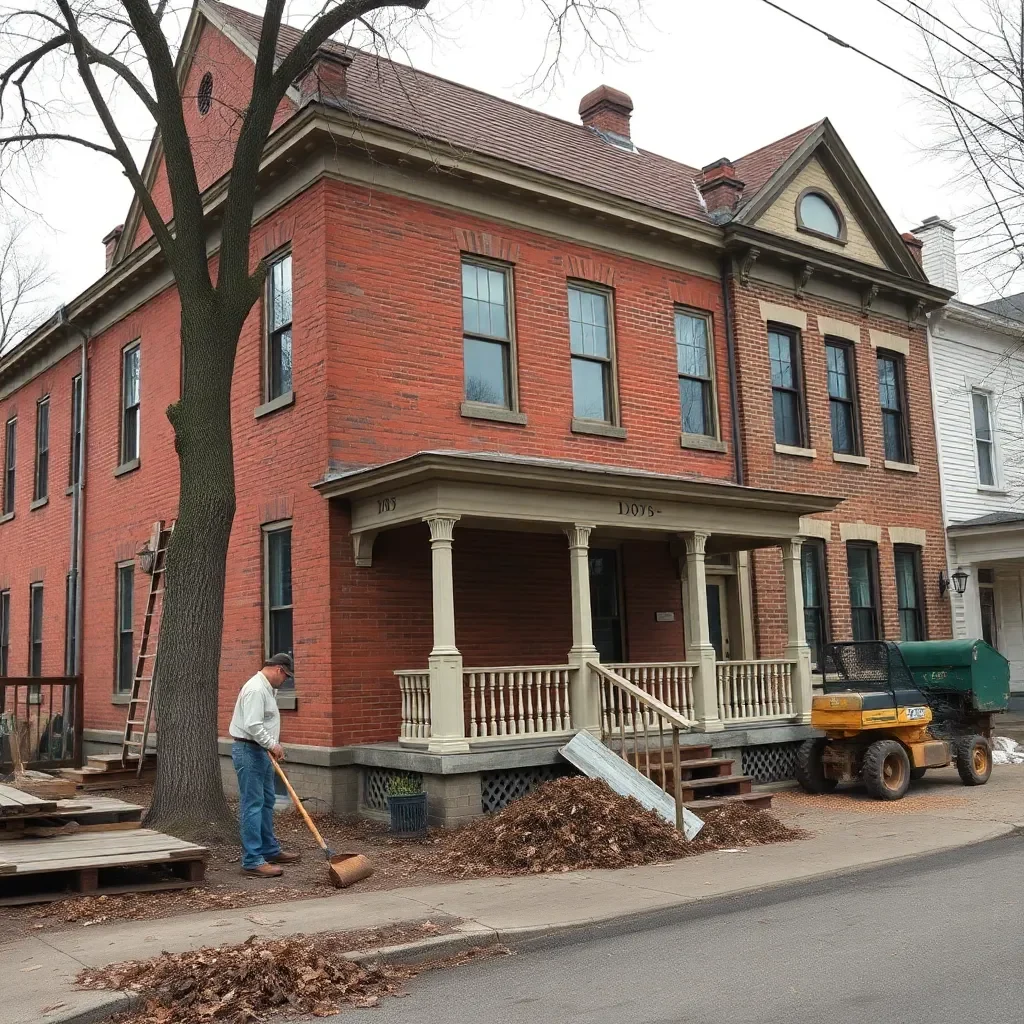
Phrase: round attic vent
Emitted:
{"points": [[204, 98]]}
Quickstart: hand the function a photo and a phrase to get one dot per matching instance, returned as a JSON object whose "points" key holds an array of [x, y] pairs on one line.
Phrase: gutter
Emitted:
{"points": [[730, 346]]}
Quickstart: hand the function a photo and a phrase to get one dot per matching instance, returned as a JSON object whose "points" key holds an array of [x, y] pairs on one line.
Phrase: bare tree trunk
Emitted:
{"points": [[189, 796]]}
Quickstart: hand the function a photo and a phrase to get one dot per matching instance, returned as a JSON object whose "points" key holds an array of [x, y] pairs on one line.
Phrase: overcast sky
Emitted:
{"points": [[707, 80]]}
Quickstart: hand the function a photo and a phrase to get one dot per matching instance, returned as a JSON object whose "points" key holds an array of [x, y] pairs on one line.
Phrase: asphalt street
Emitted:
{"points": [[932, 941]]}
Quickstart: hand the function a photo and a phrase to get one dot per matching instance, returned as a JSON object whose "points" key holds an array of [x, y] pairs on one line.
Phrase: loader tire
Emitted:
{"points": [[974, 760], [886, 771], [916, 774], [810, 772]]}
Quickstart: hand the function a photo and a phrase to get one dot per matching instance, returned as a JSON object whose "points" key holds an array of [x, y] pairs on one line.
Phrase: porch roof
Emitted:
{"points": [[582, 477]]}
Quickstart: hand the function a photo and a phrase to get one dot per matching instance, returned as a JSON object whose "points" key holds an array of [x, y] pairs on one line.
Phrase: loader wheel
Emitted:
{"points": [[916, 774], [974, 760], [886, 771], [810, 772]]}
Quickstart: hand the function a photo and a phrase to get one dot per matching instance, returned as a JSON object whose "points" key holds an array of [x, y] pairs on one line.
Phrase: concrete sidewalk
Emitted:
{"points": [[850, 833]]}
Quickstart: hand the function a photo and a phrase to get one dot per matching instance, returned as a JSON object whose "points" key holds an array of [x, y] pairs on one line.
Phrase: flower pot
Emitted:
{"points": [[408, 814]]}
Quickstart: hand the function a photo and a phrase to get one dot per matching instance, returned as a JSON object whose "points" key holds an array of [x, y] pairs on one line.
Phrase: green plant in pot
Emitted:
{"points": [[407, 805]]}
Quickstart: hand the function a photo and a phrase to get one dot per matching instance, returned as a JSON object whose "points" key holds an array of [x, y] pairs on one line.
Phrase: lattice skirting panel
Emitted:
{"points": [[375, 785], [770, 762], [497, 789]]}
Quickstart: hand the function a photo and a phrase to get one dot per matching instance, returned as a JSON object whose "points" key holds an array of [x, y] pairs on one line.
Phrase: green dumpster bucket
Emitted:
{"points": [[969, 667]]}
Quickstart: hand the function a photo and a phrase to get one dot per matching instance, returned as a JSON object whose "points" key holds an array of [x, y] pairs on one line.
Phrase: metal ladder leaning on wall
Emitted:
{"points": [[140, 705]]}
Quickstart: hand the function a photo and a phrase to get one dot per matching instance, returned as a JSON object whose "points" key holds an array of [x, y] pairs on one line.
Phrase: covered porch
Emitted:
{"points": [[692, 533]]}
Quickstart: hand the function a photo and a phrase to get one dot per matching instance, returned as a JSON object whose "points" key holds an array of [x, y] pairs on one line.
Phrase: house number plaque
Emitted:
{"points": [[386, 505], [638, 510]]}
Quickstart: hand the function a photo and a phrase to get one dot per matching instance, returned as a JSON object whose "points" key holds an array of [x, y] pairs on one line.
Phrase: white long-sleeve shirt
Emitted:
{"points": [[256, 716]]}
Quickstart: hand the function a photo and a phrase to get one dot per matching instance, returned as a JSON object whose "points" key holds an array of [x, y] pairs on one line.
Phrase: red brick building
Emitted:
{"points": [[520, 395]]}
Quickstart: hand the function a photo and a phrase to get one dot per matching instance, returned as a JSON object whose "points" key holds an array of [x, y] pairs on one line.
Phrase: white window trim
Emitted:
{"points": [[997, 467]]}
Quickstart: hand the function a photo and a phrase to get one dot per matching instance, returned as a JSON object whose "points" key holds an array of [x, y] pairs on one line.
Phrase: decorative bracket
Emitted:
{"points": [[916, 310], [867, 298], [747, 265], [801, 281], [362, 547]]}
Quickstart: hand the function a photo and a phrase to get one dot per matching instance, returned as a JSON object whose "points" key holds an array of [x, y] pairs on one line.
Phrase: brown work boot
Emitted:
{"points": [[284, 858], [264, 871]]}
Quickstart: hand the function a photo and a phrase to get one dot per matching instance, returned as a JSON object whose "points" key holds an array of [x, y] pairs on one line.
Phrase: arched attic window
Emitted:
{"points": [[818, 215]]}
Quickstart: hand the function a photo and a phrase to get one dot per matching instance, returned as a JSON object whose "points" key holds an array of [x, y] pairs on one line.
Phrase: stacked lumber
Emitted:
{"points": [[108, 771]]}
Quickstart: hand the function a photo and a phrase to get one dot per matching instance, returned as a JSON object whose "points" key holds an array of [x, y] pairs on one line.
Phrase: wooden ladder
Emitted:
{"points": [[140, 705]]}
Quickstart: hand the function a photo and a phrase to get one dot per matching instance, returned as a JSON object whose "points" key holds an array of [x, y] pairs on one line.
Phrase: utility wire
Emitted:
{"points": [[956, 32], [900, 74]]}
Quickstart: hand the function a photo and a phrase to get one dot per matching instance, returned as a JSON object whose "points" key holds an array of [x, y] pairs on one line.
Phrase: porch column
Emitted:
{"points": [[447, 722], [970, 601], [796, 647], [584, 696], [699, 648]]}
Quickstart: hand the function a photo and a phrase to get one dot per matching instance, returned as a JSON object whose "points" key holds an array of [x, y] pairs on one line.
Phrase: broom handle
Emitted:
{"points": [[299, 805]]}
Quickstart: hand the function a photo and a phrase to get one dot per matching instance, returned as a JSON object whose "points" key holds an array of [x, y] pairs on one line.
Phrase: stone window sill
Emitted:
{"points": [[7, 518], [803, 453], [281, 402], [597, 428], [851, 460], [901, 467], [120, 698], [702, 442], [287, 701], [39, 503], [127, 467], [493, 413]]}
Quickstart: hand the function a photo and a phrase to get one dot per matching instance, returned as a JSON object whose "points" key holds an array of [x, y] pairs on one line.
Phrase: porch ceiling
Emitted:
{"points": [[523, 492]]}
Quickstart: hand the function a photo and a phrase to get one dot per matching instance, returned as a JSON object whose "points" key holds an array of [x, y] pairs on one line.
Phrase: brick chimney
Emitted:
{"points": [[938, 255], [720, 188], [110, 242], [325, 78], [607, 110], [914, 245]]}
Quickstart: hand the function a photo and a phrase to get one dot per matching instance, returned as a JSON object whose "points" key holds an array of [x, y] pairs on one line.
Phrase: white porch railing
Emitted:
{"points": [[517, 700], [415, 688], [669, 682], [755, 689]]}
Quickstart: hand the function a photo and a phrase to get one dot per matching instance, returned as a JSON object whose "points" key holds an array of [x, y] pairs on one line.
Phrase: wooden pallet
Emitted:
{"points": [[98, 813], [15, 804], [33, 870]]}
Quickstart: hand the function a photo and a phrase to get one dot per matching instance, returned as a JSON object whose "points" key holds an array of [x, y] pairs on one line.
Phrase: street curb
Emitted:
{"points": [[116, 1002]]}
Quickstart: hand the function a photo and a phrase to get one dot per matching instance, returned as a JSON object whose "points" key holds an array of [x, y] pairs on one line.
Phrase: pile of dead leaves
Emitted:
{"points": [[245, 982], [576, 823]]}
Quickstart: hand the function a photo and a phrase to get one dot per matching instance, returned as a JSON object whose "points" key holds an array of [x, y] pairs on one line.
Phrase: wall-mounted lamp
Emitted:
{"points": [[958, 583], [147, 559]]}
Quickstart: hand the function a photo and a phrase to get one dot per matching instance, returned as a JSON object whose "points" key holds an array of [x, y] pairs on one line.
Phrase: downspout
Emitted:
{"points": [[730, 347]]}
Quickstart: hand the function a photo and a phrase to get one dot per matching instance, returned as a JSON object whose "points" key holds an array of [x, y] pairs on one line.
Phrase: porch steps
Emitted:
{"points": [[706, 781], [760, 801]]}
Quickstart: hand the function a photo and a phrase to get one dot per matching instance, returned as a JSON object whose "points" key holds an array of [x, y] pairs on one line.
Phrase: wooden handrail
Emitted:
{"points": [[642, 697]]}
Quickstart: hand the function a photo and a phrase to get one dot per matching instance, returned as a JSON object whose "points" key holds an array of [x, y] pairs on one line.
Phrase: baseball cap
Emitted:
{"points": [[281, 661]]}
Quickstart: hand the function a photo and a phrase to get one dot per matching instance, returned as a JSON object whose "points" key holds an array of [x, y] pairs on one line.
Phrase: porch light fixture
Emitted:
{"points": [[958, 583], [147, 558]]}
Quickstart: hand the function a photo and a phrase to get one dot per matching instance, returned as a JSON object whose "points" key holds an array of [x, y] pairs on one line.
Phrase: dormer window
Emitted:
{"points": [[818, 215]]}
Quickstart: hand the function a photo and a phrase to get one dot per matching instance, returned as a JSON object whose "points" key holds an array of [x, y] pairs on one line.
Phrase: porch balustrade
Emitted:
{"points": [[669, 682], [415, 690], [518, 700], [755, 689]]}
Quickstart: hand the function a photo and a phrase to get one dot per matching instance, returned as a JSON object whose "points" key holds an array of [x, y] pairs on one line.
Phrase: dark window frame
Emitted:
{"points": [[35, 629], [75, 445], [848, 349], [710, 394], [609, 374], [920, 611], [131, 413], [508, 342], [900, 363], [799, 386], [10, 464], [41, 476], [270, 530], [824, 610], [5, 629], [840, 238], [874, 585], [273, 335], [124, 670]]}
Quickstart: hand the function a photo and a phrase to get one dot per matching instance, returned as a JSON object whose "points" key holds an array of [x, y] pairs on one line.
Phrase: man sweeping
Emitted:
{"points": [[256, 730]]}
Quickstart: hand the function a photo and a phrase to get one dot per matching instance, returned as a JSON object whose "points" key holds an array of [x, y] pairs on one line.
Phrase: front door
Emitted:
{"points": [[718, 616], [605, 604]]}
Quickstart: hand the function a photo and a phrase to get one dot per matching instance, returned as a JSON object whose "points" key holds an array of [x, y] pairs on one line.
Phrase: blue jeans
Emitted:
{"points": [[256, 809]]}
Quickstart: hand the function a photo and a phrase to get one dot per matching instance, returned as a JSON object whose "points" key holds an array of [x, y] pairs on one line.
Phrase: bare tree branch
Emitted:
{"points": [[24, 282]]}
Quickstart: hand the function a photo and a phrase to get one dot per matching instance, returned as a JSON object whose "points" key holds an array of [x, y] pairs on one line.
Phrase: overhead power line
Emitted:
{"points": [[900, 74]]}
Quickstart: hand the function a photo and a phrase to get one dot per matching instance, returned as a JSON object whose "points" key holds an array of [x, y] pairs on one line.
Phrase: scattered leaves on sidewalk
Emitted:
{"points": [[258, 978], [575, 822]]}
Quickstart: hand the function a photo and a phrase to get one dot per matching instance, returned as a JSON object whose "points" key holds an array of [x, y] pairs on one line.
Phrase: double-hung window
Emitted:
{"points": [[862, 567], [5, 629], [892, 395], [75, 455], [590, 342], [909, 592], [815, 583], [842, 397], [694, 366], [279, 327], [787, 386], [131, 402], [42, 479], [487, 334], [125, 639], [984, 443], [10, 462], [35, 630], [277, 561]]}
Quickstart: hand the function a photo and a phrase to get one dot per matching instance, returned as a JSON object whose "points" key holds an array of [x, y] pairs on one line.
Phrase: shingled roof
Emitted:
{"points": [[384, 91]]}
